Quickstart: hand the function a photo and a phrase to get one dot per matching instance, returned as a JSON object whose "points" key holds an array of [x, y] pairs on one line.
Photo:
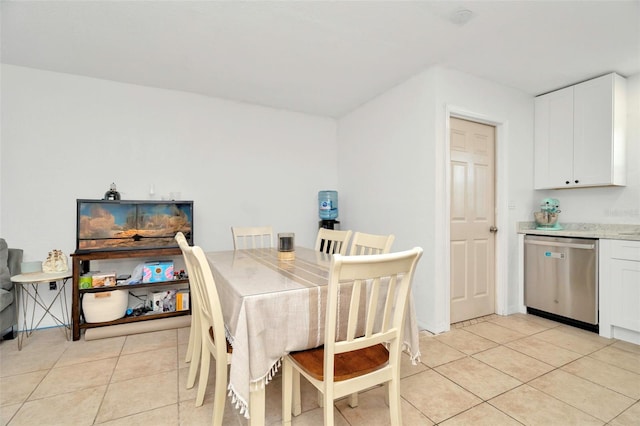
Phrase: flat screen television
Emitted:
{"points": [[124, 225]]}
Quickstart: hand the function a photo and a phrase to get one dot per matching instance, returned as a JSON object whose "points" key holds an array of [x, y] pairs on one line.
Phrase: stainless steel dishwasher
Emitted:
{"points": [[561, 279]]}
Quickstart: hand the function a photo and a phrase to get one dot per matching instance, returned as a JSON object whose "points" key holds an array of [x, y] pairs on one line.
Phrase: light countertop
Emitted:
{"points": [[585, 230]]}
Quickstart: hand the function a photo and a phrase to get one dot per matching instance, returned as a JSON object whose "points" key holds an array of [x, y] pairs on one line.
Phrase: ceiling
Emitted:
{"points": [[321, 57]]}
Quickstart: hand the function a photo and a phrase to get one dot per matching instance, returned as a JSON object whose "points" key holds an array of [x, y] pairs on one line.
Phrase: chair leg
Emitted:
{"points": [[195, 361], [204, 374], [220, 391], [193, 333], [353, 400], [327, 408], [393, 395], [297, 401], [287, 387], [386, 393]]}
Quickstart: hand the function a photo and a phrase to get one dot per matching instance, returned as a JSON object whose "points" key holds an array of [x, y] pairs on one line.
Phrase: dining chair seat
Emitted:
{"points": [[347, 365]]}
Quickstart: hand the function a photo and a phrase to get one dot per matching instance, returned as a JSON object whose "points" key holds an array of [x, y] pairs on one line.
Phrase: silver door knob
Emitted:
{"points": [[493, 229]]}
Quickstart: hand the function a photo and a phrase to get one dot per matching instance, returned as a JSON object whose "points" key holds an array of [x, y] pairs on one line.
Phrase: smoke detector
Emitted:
{"points": [[461, 16]]}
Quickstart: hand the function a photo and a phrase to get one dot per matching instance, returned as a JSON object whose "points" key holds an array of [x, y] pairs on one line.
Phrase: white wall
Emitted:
{"points": [[405, 132], [386, 169], [66, 137]]}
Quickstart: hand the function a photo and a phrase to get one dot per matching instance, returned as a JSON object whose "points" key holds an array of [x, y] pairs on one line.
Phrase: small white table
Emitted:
{"points": [[27, 290]]}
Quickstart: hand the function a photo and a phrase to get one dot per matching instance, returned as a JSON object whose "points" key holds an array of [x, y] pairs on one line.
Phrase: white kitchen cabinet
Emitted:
{"points": [[619, 281], [580, 135]]}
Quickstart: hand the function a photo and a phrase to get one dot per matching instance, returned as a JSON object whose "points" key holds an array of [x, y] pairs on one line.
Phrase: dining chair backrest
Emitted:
{"points": [[384, 280], [204, 288], [195, 293], [332, 241], [367, 298], [247, 237], [210, 324], [193, 332], [363, 244]]}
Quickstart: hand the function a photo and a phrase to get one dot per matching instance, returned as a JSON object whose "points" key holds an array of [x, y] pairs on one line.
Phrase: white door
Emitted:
{"points": [[472, 220]]}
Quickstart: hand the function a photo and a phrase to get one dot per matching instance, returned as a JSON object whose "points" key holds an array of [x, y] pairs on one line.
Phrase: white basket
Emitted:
{"points": [[105, 306]]}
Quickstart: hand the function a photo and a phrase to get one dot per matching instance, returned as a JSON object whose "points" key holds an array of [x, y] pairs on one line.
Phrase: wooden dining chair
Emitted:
{"points": [[210, 325], [370, 293], [246, 237], [332, 241], [363, 244]]}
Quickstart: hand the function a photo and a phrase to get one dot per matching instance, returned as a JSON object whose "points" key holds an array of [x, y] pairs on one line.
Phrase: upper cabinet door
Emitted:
{"points": [[580, 135], [554, 138], [599, 126]]}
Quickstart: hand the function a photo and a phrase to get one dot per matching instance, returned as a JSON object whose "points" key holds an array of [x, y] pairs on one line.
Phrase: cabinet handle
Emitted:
{"points": [[567, 182], [577, 181]]}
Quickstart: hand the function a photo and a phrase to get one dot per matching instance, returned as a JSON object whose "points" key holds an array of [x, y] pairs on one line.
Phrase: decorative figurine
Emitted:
{"points": [[55, 262]]}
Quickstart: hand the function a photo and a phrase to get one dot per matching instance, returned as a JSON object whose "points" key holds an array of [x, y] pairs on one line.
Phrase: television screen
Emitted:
{"points": [[118, 225]]}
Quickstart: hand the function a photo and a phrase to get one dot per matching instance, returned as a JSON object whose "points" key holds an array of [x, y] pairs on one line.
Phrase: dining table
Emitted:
{"points": [[272, 307]]}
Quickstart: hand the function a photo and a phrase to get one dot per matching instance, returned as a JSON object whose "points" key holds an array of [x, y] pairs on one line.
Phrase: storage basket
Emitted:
{"points": [[105, 306]]}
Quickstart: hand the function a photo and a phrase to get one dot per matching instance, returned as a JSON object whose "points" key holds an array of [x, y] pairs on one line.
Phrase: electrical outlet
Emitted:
{"points": [[52, 285]]}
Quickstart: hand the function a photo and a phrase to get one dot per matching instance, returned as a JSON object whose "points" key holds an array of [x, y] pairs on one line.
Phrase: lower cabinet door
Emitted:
{"points": [[625, 288]]}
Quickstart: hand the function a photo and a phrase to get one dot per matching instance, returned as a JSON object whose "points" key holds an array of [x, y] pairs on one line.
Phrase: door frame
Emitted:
{"points": [[501, 211]]}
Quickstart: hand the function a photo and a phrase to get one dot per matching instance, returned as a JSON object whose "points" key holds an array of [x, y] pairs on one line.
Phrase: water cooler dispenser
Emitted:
{"points": [[328, 209]]}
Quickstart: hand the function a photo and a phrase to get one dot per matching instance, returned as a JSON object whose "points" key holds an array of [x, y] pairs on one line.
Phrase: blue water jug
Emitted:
{"points": [[328, 205]]}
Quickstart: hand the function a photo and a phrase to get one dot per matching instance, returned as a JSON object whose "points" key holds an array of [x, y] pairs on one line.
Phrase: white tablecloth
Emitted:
{"points": [[272, 308]]}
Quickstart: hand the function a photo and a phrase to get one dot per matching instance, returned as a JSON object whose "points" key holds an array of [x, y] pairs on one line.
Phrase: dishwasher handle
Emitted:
{"points": [[560, 244]]}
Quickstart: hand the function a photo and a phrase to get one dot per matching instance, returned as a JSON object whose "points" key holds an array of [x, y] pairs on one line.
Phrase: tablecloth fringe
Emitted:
{"points": [[415, 357], [228, 335], [238, 402], [264, 380], [242, 405]]}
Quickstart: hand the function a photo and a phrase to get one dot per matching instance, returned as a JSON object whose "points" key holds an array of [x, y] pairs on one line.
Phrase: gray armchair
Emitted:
{"points": [[10, 260]]}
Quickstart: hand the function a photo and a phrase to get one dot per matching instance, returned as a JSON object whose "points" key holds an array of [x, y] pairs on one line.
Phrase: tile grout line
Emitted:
{"points": [[587, 355], [106, 389]]}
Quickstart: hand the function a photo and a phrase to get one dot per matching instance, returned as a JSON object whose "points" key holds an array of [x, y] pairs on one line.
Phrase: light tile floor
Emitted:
{"points": [[494, 370]]}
